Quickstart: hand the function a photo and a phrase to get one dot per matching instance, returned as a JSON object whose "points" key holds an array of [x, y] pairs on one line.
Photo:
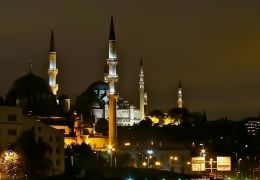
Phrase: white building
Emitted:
{"points": [[252, 127]]}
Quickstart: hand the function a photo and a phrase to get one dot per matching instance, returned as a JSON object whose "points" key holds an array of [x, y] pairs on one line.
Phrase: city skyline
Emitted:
{"points": [[211, 49]]}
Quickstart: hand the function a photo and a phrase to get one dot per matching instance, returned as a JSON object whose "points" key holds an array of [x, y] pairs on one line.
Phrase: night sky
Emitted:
{"points": [[212, 46]]}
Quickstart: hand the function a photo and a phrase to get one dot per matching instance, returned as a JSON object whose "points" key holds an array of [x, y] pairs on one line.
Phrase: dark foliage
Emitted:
{"points": [[34, 154]]}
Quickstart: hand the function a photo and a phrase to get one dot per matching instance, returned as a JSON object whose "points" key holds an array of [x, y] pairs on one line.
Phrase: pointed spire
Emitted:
{"points": [[204, 116], [112, 30], [52, 45], [141, 61], [179, 84]]}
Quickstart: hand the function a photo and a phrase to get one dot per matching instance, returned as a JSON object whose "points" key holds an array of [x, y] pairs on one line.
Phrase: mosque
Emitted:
{"points": [[41, 101], [101, 100]]}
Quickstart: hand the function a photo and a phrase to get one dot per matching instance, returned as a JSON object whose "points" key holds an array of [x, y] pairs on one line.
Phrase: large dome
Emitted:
{"points": [[95, 94], [34, 95], [29, 84]]}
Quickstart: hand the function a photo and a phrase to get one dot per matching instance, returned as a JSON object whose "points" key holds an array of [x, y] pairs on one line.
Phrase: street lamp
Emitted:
{"points": [[210, 162], [238, 165], [148, 161], [157, 164], [150, 151], [203, 152], [174, 159]]}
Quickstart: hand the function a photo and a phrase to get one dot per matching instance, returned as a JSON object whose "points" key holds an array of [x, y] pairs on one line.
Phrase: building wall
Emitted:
{"points": [[13, 123], [125, 117]]}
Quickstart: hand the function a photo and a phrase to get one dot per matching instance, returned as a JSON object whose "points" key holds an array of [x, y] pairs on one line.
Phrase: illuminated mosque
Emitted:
{"points": [[40, 100], [101, 100]]}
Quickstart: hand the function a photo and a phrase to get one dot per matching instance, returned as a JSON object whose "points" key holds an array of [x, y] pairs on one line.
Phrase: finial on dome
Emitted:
{"points": [[30, 67]]}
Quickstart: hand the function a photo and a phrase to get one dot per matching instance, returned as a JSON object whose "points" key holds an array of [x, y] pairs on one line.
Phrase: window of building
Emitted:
{"points": [[57, 138], [12, 132], [51, 150], [57, 150], [11, 117], [57, 162], [40, 139], [39, 128], [50, 138]]}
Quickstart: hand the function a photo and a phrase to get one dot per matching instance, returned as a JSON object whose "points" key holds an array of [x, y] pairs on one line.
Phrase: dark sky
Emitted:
{"points": [[212, 46]]}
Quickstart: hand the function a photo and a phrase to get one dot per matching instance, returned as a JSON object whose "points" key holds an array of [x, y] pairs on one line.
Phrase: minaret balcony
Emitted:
{"points": [[112, 77], [53, 72], [112, 61]]}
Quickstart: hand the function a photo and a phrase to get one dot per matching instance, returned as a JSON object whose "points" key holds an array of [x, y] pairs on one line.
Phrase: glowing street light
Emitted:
{"points": [[148, 161], [203, 152], [150, 151], [175, 158], [174, 163], [157, 163]]}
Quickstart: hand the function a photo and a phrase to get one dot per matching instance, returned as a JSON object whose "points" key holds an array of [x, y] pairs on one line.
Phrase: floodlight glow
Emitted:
{"points": [[150, 151]]}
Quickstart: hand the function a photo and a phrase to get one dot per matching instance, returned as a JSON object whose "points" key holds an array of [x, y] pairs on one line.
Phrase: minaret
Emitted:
{"points": [[52, 71], [112, 79], [180, 101], [141, 89]]}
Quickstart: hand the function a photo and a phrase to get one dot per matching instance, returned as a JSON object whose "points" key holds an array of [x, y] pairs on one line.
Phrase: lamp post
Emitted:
{"points": [[110, 150], [238, 165], [148, 161], [149, 152], [174, 159], [203, 152], [210, 162]]}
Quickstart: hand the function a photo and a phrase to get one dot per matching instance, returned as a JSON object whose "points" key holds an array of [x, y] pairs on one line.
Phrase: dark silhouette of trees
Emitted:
{"points": [[34, 154], [85, 160]]}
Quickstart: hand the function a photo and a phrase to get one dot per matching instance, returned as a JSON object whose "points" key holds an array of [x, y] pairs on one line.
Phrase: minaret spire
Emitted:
{"points": [[112, 35], [141, 90], [112, 79], [52, 44], [180, 101], [52, 71]]}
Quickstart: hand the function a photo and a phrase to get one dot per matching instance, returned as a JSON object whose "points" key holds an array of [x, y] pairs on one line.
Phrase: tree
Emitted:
{"points": [[83, 158], [179, 114], [34, 153], [11, 164]]}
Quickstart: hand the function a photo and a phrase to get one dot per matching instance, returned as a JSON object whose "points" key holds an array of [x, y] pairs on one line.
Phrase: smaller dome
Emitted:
{"points": [[99, 85]]}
